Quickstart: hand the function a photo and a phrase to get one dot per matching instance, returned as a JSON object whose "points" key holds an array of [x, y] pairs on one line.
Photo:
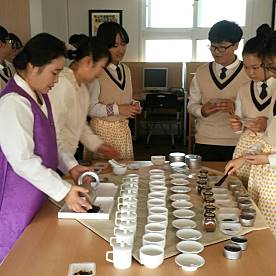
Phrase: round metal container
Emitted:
{"points": [[193, 161], [177, 157], [247, 220], [232, 251], [241, 241]]}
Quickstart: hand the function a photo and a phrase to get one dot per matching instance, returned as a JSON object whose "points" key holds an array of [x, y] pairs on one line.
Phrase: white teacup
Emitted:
{"points": [[151, 255], [127, 207], [156, 228], [129, 185], [123, 235], [128, 192], [153, 202], [163, 219], [158, 211], [121, 255], [127, 224], [126, 215], [154, 238], [156, 195], [126, 200]]}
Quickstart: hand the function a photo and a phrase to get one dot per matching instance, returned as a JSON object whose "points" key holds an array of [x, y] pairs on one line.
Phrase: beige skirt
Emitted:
{"points": [[247, 139], [262, 188], [116, 134]]}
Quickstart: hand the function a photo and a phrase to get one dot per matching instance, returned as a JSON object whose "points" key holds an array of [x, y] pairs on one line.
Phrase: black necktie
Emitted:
{"points": [[6, 71], [263, 93], [223, 73], [119, 73]]}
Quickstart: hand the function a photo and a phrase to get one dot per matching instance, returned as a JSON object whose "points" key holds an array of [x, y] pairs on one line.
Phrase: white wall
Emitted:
{"points": [[66, 17]]}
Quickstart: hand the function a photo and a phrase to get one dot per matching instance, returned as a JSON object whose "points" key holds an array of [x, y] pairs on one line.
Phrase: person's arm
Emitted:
{"points": [[18, 146], [97, 109], [195, 104]]}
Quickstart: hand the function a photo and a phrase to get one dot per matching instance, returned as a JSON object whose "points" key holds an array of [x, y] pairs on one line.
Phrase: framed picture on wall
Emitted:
{"points": [[97, 17], [273, 23]]}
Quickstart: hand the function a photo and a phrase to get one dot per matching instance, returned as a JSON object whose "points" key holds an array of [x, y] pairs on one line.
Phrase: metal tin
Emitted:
{"points": [[232, 251]]}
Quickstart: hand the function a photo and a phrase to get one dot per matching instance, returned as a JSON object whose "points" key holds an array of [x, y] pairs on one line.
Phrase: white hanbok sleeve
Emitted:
{"points": [[17, 144]]}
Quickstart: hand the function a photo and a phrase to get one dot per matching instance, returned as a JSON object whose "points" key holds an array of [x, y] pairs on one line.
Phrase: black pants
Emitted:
{"points": [[214, 153]]}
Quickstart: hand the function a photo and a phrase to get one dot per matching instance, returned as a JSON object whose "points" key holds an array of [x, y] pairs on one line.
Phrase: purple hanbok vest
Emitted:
{"points": [[19, 199]]}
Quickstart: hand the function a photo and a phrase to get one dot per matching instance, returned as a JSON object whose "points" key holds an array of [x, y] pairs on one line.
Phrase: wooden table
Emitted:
{"points": [[49, 245]]}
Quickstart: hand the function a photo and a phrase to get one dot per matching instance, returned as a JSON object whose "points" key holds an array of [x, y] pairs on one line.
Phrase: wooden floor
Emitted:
{"points": [[159, 145]]}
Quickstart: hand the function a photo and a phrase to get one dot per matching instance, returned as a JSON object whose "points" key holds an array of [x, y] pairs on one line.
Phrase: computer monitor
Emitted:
{"points": [[155, 79]]}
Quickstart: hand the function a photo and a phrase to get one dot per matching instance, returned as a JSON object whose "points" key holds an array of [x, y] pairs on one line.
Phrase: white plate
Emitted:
{"points": [[188, 234], [175, 197], [178, 175], [230, 228], [182, 204], [180, 182], [189, 262], [180, 189], [183, 223], [183, 213], [156, 171], [192, 247]]}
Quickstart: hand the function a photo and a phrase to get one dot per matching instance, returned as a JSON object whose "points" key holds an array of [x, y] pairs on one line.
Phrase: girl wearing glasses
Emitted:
{"points": [[262, 176], [255, 101]]}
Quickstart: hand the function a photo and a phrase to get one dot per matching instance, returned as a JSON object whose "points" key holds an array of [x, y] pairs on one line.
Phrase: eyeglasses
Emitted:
{"points": [[221, 49]]}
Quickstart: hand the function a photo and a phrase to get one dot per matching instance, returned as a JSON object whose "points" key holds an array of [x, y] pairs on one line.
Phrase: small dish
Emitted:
{"points": [[183, 213], [183, 223], [189, 262], [192, 247], [180, 189], [160, 177], [82, 267], [178, 175], [188, 234], [180, 182], [175, 197], [182, 204], [230, 228], [156, 171], [158, 160]]}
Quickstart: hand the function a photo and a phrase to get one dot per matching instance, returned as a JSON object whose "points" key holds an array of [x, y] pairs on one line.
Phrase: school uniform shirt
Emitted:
{"points": [[70, 105], [107, 92], [206, 85], [17, 129]]}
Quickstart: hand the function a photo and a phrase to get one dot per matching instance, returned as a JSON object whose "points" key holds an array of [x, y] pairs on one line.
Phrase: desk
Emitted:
{"points": [[48, 245]]}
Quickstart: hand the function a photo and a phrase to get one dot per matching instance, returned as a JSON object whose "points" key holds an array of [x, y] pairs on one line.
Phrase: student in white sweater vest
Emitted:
{"points": [[213, 92]]}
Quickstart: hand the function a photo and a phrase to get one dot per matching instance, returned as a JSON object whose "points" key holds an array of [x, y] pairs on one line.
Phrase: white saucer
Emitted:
{"points": [[183, 213], [189, 262], [192, 247], [180, 182], [180, 189], [182, 204], [188, 234], [175, 197], [178, 175], [183, 223]]}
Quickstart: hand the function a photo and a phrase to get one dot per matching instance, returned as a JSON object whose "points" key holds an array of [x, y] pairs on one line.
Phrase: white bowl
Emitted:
{"points": [[183, 213], [230, 228], [189, 262], [178, 175], [183, 223], [180, 189], [158, 160], [188, 234], [182, 204], [157, 171], [180, 182], [192, 247], [175, 197], [119, 170]]}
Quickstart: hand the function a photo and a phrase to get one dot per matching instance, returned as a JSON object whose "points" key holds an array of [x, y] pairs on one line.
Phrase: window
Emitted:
{"points": [[176, 30]]}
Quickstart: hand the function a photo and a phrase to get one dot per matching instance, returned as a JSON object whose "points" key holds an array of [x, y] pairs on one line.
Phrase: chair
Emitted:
{"points": [[162, 109]]}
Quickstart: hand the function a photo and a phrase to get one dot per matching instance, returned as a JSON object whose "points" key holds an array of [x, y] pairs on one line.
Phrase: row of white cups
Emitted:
{"points": [[152, 251]]}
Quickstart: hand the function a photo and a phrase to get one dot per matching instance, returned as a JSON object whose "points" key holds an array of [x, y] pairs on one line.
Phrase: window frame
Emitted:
{"points": [[194, 33]]}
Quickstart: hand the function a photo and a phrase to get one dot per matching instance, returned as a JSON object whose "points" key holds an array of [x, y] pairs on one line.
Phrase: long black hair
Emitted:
{"points": [[256, 45], [89, 46], [107, 32], [39, 51]]}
